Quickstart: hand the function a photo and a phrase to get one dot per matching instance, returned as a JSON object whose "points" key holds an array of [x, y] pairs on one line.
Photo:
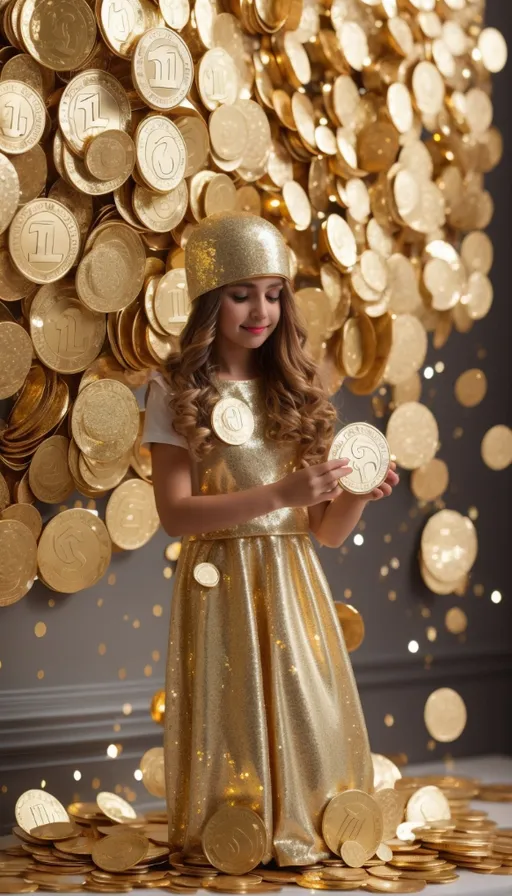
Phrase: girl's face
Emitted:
{"points": [[249, 312]]}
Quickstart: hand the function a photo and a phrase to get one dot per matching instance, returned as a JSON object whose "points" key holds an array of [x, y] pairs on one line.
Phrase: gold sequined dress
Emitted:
{"points": [[262, 708]]}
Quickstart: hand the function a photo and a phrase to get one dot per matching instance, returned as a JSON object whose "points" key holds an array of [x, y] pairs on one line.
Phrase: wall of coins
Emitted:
{"points": [[364, 130]]}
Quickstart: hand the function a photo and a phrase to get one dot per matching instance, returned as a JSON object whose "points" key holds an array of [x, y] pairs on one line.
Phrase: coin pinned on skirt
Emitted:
{"points": [[368, 454]]}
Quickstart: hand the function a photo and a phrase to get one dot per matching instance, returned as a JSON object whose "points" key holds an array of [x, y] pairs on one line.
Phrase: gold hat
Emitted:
{"points": [[233, 246]]}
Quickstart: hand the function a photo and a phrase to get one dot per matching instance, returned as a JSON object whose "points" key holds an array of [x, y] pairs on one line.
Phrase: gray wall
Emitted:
{"points": [[63, 722]]}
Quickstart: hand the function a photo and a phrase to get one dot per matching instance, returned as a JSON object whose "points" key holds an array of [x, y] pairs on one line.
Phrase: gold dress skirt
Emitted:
{"points": [[262, 708]]}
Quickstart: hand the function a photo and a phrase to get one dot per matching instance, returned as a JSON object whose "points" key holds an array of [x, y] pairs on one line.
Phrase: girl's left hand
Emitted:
{"points": [[384, 490]]}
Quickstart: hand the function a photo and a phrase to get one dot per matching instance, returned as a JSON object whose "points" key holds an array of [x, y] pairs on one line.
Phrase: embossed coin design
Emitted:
{"points": [[110, 154], [74, 551], [66, 336], [18, 561], [60, 34], [93, 101], [368, 453], [232, 421], [235, 840], [37, 807], [161, 153], [44, 240], [49, 475], [114, 807], [206, 574], [353, 815], [22, 117], [162, 69]]}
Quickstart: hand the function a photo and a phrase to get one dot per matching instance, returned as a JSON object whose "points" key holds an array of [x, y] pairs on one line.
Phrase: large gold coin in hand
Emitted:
{"points": [[74, 551], [353, 815], [368, 453], [235, 840]]}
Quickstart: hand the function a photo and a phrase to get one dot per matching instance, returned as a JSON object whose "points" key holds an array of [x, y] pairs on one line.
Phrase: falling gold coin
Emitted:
{"points": [[445, 715], [471, 388], [352, 625], [412, 435], [456, 621], [497, 447], [449, 545], [115, 807], [430, 481], [131, 515]]}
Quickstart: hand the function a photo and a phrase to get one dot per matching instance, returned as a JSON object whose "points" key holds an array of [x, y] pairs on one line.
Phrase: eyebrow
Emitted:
{"points": [[252, 286]]}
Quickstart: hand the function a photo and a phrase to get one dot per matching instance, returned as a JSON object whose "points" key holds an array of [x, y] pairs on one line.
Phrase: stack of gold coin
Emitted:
{"points": [[369, 154]]}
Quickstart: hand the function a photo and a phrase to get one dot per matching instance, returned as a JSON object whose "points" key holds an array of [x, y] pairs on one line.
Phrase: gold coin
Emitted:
{"points": [[161, 153], [55, 830], [206, 574], [352, 853], [162, 69], [234, 840], [496, 447], [13, 285], [408, 351], [232, 421], [114, 807], [391, 803], [219, 195], [109, 155], [123, 24], [493, 48], [152, 768], [228, 131], [131, 515], [74, 551], [5, 497], [217, 78], [471, 388], [412, 435], [160, 212], [10, 195], [378, 885], [36, 807], [105, 420], [32, 170], [430, 481], [352, 815], [26, 514], [120, 852], [436, 585], [18, 561], [368, 454], [171, 302], [477, 252], [427, 804], [17, 885], [340, 241], [428, 88], [23, 117], [449, 545], [66, 336], [93, 101], [49, 476], [175, 12], [456, 621], [44, 240], [352, 625], [55, 45], [16, 355], [445, 715]]}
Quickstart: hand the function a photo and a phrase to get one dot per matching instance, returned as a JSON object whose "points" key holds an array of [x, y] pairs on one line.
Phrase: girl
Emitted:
{"points": [[262, 708]]}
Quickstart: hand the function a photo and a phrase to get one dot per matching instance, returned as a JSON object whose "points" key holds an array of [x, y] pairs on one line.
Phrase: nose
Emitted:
{"points": [[258, 308]]}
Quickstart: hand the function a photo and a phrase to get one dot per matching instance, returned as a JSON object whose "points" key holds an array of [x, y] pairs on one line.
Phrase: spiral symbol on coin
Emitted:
{"points": [[162, 158], [364, 456], [66, 548]]}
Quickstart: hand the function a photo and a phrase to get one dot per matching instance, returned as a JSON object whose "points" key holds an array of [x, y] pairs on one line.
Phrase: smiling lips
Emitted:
{"points": [[255, 330]]}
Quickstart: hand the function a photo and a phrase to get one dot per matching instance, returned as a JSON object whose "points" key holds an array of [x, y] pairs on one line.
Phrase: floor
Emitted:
{"points": [[491, 769]]}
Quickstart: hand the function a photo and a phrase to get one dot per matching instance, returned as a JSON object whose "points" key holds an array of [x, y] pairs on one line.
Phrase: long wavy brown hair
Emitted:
{"points": [[298, 409]]}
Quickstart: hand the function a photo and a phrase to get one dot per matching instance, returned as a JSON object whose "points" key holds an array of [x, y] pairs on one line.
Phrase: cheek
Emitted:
{"points": [[230, 315]]}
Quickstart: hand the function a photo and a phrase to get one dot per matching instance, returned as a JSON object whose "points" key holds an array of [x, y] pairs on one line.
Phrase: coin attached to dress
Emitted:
{"points": [[206, 574], [368, 453], [232, 421]]}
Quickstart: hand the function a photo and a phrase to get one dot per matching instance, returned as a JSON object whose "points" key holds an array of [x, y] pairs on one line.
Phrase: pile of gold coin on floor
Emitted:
{"points": [[105, 847], [123, 128]]}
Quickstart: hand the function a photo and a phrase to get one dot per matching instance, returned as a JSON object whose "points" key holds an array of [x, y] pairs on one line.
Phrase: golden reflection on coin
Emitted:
{"points": [[352, 853], [496, 447], [171, 302], [408, 351], [16, 355], [44, 240], [235, 840], [22, 113], [92, 102], [162, 69], [427, 804], [49, 475], [10, 195], [66, 336], [120, 852], [352, 815], [412, 435], [206, 574], [152, 768], [232, 421], [105, 420], [74, 551], [368, 453], [18, 561], [430, 481], [131, 515], [445, 715], [161, 153], [449, 545], [109, 154], [40, 22], [114, 807], [36, 807], [26, 514]]}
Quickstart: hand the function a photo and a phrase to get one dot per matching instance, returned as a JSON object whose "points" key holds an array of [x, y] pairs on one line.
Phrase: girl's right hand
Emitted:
{"points": [[315, 484]]}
